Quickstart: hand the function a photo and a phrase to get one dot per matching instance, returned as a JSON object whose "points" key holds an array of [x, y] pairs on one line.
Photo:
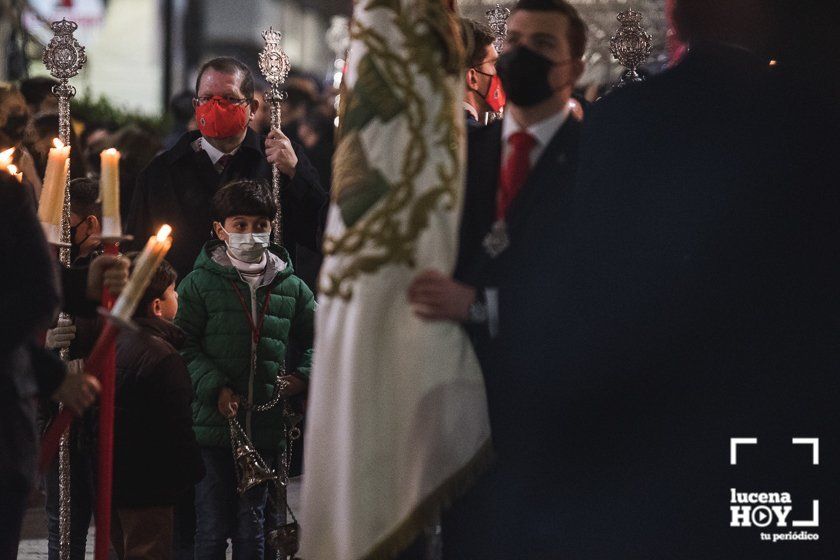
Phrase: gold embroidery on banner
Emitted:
{"points": [[376, 235]]}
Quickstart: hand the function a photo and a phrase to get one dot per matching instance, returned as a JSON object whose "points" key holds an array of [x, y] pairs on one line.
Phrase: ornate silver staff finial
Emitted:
{"points": [[497, 19], [64, 57], [274, 65], [631, 45]]}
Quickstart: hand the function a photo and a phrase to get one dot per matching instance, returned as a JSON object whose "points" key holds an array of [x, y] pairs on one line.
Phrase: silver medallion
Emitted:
{"points": [[497, 239]]}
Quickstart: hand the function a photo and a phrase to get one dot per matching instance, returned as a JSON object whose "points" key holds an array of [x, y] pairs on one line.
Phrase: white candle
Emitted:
{"points": [[109, 192], [144, 268], [52, 195]]}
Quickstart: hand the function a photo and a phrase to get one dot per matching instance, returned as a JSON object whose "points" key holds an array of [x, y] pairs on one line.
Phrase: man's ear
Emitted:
{"points": [[94, 225], [472, 78], [255, 104]]}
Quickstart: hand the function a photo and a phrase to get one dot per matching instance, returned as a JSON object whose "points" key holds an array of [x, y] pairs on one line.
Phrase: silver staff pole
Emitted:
{"points": [[64, 57]]}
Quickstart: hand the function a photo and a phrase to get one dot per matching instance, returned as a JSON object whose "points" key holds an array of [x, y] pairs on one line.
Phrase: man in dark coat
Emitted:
{"points": [[520, 176], [177, 186], [698, 282]]}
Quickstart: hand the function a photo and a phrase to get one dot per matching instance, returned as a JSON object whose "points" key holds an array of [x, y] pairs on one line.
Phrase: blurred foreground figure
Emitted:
{"points": [[28, 306], [695, 302]]}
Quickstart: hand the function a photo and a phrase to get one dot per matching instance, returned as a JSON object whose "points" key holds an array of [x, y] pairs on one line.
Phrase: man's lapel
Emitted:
{"points": [[552, 171], [206, 173]]}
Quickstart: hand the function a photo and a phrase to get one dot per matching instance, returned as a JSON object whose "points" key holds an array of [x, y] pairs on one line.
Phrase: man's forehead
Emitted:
{"points": [[490, 53], [215, 78], [528, 22]]}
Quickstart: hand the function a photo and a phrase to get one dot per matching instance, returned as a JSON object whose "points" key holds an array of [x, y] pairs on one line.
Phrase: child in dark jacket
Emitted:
{"points": [[156, 457], [242, 308]]}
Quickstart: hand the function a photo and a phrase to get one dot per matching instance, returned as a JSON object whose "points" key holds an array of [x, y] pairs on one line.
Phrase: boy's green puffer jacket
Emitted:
{"points": [[218, 343]]}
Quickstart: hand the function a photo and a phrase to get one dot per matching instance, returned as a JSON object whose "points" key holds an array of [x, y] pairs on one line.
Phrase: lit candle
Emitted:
{"points": [[12, 169], [144, 268], [6, 157], [109, 192], [52, 195]]}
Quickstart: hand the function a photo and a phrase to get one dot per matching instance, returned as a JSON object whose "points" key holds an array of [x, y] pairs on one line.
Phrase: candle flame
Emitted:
{"points": [[12, 168], [58, 143], [164, 232], [6, 155], [110, 151]]}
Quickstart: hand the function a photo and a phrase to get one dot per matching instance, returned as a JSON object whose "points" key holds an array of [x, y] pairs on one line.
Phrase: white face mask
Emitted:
{"points": [[247, 247]]}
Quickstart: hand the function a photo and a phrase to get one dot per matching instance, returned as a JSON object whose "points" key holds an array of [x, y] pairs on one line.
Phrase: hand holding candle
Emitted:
{"points": [[109, 192], [52, 195], [96, 364]]}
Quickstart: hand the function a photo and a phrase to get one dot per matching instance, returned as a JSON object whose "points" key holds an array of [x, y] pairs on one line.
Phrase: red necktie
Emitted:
{"points": [[514, 171], [222, 162]]}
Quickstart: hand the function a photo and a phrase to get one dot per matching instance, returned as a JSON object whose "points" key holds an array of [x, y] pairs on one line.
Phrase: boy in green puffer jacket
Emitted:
{"points": [[241, 308]]}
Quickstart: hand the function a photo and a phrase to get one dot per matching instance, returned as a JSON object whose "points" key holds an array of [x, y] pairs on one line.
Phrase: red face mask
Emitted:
{"points": [[219, 118], [495, 96]]}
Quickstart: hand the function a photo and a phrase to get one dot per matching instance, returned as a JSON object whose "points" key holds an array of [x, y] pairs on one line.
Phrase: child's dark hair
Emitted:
{"points": [[244, 197], [164, 277], [83, 195]]}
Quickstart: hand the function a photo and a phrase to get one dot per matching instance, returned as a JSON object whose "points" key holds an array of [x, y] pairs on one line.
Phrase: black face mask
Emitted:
{"points": [[15, 127], [75, 248], [524, 75]]}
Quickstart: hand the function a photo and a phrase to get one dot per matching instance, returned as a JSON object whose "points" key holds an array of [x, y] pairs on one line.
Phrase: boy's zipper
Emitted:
{"points": [[254, 319]]}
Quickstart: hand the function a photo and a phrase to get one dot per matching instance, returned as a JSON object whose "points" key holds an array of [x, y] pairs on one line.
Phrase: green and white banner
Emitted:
{"points": [[397, 420]]}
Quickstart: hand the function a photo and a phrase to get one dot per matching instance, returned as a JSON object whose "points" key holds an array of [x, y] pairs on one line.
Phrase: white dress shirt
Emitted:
{"points": [[213, 152], [542, 132], [471, 110]]}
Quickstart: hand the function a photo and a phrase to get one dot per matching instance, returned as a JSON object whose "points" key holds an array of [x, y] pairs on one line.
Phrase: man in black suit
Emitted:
{"points": [[697, 290], [519, 178], [178, 185]]}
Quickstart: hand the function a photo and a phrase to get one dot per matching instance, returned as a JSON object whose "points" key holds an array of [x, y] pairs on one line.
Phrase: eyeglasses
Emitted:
{"points": [[231, 100]]}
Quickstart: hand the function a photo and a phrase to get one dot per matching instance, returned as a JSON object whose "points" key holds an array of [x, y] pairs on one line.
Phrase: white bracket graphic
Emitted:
{"points": [[815, 449], [815, 517], [733, 447]]}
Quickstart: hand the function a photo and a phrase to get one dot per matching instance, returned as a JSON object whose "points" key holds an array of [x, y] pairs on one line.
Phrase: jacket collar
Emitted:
{"points": [[162, 328], [253, 142], [213, 257]]}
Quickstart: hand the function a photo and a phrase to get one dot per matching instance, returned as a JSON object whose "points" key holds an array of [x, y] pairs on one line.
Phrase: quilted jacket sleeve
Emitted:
{"points": [[207, 379], [302, 331]]}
